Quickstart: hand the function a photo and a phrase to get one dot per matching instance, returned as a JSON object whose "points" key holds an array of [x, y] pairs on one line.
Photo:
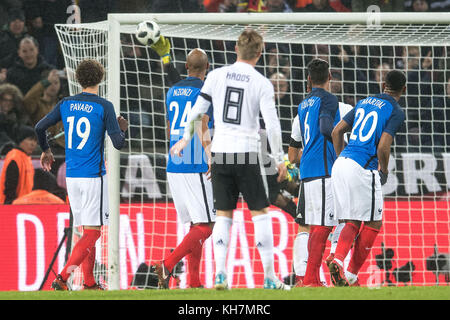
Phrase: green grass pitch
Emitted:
{"points": [[348, 293]]}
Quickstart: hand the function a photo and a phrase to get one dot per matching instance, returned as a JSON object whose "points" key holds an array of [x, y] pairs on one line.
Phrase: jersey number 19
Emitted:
{"points": [[83, 134]]}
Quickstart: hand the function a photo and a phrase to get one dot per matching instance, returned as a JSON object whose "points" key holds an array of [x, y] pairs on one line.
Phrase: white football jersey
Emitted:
{"points": [[238, 94]]}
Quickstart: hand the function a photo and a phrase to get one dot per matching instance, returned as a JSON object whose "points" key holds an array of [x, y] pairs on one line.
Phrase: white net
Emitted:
{"points": [[414, 244]]}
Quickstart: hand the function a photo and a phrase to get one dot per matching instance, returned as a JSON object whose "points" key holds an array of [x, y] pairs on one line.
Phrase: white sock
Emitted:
{"points": [[301, 253], [335, 236], [221, 238], [351, 277], [264, 243]]}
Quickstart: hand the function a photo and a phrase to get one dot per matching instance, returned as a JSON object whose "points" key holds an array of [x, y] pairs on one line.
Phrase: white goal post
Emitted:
{"points": [[294, 38]]}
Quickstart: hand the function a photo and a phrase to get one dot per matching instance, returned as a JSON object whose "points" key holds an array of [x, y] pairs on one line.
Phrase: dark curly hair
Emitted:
{"points": [[89, 73]]}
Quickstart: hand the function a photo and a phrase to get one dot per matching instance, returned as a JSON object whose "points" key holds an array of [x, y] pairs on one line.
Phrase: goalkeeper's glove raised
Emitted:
{"points": [[293, 173], [162, 48]]}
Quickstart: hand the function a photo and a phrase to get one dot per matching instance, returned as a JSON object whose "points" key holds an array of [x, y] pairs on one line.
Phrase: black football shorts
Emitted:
{"points": [[234, 173]]}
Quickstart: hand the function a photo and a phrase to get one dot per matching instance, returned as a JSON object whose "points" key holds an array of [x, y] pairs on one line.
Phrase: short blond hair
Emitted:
{"points": [[250, 44]]}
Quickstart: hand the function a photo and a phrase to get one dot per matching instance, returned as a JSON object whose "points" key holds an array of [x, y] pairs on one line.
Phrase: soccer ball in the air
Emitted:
{"points": [[148, 32]]}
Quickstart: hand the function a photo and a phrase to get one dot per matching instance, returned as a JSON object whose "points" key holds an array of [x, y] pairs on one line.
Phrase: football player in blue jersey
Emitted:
{"points": [[187, 174], [317, 115], [86, 118], [361, 170]]}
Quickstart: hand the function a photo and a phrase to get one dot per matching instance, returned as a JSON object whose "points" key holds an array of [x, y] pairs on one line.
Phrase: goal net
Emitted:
{"points": [[413, 247]]}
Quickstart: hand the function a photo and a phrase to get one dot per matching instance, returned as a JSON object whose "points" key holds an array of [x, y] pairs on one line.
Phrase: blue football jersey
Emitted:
{"points": [[369, 119], [86, 117], [180, 100], [318, 152]]}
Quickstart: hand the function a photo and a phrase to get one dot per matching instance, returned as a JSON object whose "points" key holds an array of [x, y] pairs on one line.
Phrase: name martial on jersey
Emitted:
{"points": [[369, 119], [179, 101]]}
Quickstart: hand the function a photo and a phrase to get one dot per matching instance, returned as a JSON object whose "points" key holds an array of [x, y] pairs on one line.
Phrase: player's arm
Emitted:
{"points": [[162, 48], [205, 138], [52, 118], [387, 138], [273, 128], [337, 135], [204, 135], [115, 126], [168, 129], [295, 145], [383, 153], [328, 109]]}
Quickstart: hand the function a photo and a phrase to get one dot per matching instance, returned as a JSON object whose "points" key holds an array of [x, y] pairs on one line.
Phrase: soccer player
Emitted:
{"points": [[86, 117], [317, 115], [191, 188], [301, 240], [238, 93], [361, 170]]}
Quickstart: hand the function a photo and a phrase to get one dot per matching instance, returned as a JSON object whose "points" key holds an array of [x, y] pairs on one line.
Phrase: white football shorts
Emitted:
{"points": [[192, 196], [315, 203], [88, 199], [357, 191]]}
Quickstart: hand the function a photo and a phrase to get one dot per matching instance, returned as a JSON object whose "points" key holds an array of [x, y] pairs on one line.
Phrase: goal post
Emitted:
{"points": [[359, 46]]}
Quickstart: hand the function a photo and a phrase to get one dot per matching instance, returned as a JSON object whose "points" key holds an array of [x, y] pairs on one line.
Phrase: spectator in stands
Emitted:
{"points": [[5, 7], [43, 15], [281, 86], [28, 67], [138, 95], [17, 174], [11, 114], [252, 6], [322, 51], [283, 100], [355, 80], [439, 5], [336, 84], [420, 5], [376, 78], [40, 100], [164, 6], [45, 190], [221, 5], [318, 6], [385, 5], [11, 36], [438, 118], [94, 11], [341, 5], [278, 61], [278, 6]]}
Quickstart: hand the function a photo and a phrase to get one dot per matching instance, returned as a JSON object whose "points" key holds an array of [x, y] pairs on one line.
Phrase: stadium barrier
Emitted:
{"points": [[406, 252]]}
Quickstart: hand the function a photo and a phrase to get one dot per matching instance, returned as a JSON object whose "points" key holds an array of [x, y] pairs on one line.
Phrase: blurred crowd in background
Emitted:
{"points": [[33, 80]]}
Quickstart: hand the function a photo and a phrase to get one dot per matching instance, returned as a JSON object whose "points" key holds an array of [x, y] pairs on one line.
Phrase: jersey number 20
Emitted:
{"points": [[362, 118], [83, 134]]}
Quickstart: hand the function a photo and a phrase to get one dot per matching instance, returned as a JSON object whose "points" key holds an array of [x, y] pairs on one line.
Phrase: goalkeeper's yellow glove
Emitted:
{"points": [[292, 173], [162, 48]]}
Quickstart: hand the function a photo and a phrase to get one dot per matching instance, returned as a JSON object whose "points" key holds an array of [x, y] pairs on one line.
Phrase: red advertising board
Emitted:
{"points": [[29, 237]]}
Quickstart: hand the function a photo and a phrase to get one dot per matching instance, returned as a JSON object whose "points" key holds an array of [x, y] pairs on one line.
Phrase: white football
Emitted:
{"points": [[148, 32]]}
